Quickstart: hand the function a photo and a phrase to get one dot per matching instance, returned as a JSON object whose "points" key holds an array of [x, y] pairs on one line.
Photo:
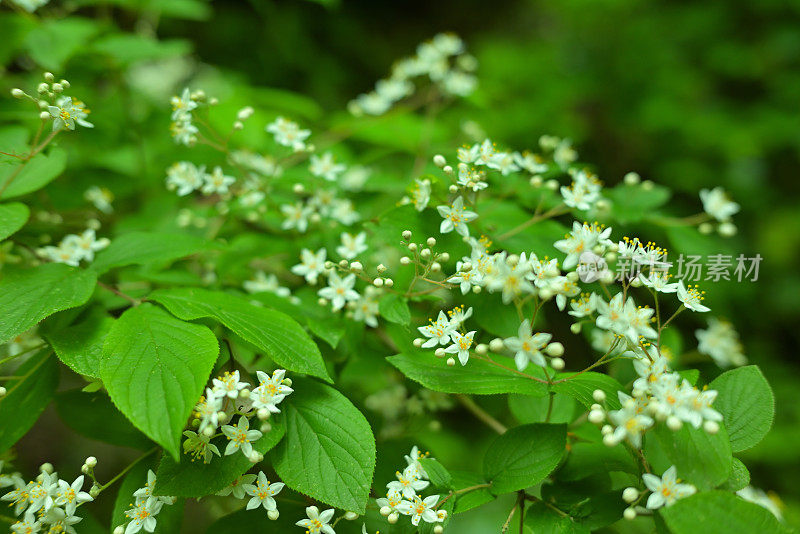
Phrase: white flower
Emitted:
{"points": [[41, 494], [456, 217], [530, 162], [503, 162], [217, 182], [317, 521], [228, 385], [183, 131], [439, 332], [717, 204], [19, 496], [271, 390], [70, 496], [325, 167], [352, 245], [288, 133], [393, 89], [366, 308], [584, 306], [143, 515], [408, 482], [658, 281], [263, 493], [458, 315], [691, 297], [262, 282], [465, 279], [583, 238], [420, 509], [630, 421], [240, 437], [421, 194], [182, 105], [66, 252], [28, 525], [527, 346], [311, 264], [207, 410], [86, 243], [199, 446], [721, 342], [100, 197], [413, 459], [296, 216], [461, 345], [371, 103], [470, 178], [392, 500], [459, 83], [185, 177], [237, 487], [339, 290], [667, 489], [67, 113]]}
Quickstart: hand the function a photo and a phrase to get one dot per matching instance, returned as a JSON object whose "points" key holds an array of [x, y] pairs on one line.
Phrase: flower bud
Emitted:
{"points": [[712, 427], [439, 353], [263, 414], [3, 391], [705, 228], [439, 160], [238, 125], [444, 256], [255, 457], [482, 348], [412, 247], [436, 267], [552, 184], [322, 301], [356, 266], [418, 342], [448, 169], [727, 229], [406, 234], [94, 491], [350, 516], [555, 349], [42, 88], [17, 92], [630, 495], [49, 76], [596, 417], [451, 362], [244, 394], [388, 282], [496, 345], [438, 529], [431, 241], [405, 260], [265, 427], [298, 188], [599, 395], [425, 253], [119, 530], [245, 113], [607, 429], [632, 178], [385, 510], [629, 514], [381, 268], [378, 282], [273, 514], [535, 181], [575, 328], [609, 441], [91, 461], [57, 88], [208, 431], [557, 364], [673, 423]]}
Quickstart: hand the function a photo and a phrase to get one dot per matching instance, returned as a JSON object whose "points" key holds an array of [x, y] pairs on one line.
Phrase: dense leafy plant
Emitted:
{"points": [[291, 303]]}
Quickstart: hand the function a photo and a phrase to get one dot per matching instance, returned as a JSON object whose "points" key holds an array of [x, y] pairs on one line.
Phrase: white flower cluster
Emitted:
{"points": [[100, 197], [659, 394], [583, 193], [184, 177], [266, 283], [63, 110], [402, 497], [664, 491], [442, 59], [721, 342], [145, 508], [444, 331], [718, 205], [260, 490], [323, 203], [288, 133], [184, 132], [74, 248], [47, 502], [228, 397]]}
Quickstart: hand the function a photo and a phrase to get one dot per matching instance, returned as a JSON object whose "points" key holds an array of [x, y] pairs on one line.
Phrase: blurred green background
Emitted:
{"points": [[689, 94]]}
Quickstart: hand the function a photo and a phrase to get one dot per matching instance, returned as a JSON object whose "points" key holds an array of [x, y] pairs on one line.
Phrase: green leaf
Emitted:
{"points": [[746, 402], [582, 386], [129, 48], [169, 519], [701, 458], [633, 203], [394, 308], [154, 368], [328, 452], [587, 459], [437, 474], [53, 42], [95, 416], [529, 409], [277, 334], [719, 511], [27, 297], [524, 456], [193, 478], [477, 377], [34, 174], [27, 397], [140, 248], [13, 216], [471, 499], [740, 477], [544, 520], [81, 346]]}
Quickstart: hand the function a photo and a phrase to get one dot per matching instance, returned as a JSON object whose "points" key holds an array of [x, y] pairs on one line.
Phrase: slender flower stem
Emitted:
{"points": [[128, 468], [481, 414]]}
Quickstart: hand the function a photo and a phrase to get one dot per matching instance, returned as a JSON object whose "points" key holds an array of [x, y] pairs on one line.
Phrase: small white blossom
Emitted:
{"points": [[317, 522], [217, 182], [339, 290], [717, 204], [325, 167], [263, 493], [240, 437], [667, 489], [527, 346], [352, 245], [311, 264], [461, 345], [456, 217]]}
